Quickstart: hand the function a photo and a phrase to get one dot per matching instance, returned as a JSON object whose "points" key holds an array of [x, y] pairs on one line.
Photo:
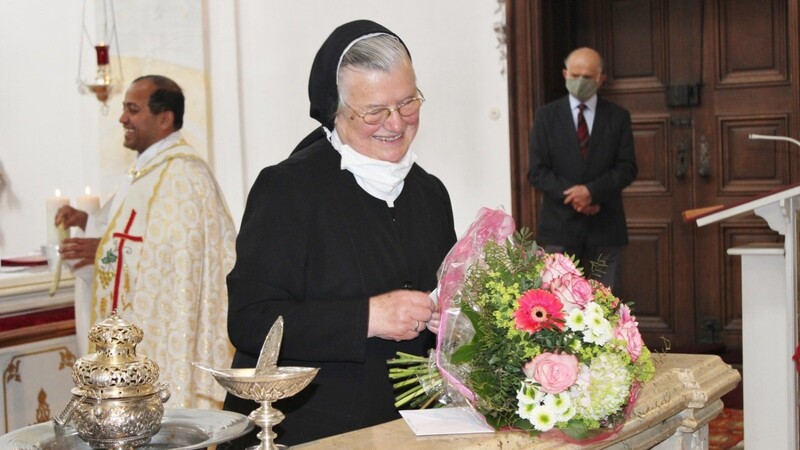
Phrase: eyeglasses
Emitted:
{"points": [[377, 116]]}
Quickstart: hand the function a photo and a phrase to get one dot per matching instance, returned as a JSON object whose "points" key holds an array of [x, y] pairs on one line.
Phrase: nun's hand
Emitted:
{"points": [[433, 324], [399, 315]]}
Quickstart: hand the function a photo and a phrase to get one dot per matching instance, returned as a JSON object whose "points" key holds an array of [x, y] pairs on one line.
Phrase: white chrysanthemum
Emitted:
{"points": [[525, 410], [602, 388], [528, 394], [544, 410], [593, 310], [598, 330], [569, 413], [559, 402], [543, 418], [576, 320]]}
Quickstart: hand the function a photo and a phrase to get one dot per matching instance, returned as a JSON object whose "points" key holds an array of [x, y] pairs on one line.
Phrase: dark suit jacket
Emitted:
{"points": [[556, 165], [313, 247]]}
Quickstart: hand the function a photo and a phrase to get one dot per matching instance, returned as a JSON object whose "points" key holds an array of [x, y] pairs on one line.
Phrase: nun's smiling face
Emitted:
{"points": [[367, 91]]}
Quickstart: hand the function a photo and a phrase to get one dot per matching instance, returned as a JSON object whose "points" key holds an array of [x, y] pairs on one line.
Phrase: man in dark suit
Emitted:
{"points": [[581, 158]]}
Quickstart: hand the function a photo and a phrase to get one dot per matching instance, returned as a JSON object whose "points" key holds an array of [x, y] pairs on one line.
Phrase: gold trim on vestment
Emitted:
{"points": [[135, 174]]}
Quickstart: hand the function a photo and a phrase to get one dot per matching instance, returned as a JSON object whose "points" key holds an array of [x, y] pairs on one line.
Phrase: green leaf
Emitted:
{"points": [[475, 318], [466, 352], [576, 429]]}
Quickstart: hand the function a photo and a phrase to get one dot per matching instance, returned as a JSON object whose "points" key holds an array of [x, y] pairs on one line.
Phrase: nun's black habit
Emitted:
{"points": [[313, 247]]}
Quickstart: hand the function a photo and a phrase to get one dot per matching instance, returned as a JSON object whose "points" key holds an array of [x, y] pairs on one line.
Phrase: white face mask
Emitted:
{"points": [[380, 179], [581, 88]]}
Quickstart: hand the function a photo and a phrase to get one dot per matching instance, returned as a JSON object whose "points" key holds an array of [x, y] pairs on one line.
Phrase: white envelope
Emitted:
{"points": [[428, 422]]}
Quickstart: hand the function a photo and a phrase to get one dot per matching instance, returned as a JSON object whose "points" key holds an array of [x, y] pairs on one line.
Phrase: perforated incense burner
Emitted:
{"points": [[117, 401]]}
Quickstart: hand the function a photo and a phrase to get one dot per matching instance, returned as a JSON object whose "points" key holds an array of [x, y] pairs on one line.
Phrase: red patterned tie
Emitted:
{"points": [[583, 132]]}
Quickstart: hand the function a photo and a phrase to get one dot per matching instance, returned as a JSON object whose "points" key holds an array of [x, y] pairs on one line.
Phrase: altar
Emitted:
{"points": [[37, 345], [672, 412]]}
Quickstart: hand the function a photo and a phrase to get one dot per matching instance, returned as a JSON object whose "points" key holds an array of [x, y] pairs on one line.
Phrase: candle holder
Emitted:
{"points": [[265, 384]]}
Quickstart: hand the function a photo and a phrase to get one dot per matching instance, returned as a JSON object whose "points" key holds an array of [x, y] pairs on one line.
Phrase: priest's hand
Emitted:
{"points": [[399, 315], [82, 250], [71, 217]]}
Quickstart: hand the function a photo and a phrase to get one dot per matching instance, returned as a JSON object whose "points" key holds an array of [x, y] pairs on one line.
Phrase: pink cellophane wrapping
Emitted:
{"points": [[455, 329]]}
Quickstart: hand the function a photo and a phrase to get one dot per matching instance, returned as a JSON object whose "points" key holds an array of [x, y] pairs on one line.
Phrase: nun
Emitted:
{"points": [[343, 239]]}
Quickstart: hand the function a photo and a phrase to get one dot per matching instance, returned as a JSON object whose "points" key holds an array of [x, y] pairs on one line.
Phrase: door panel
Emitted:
{"points": [[650, 252], [751, 47]]}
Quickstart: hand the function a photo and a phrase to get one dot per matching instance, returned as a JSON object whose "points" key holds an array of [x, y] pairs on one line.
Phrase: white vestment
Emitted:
{"points": [[162, 264]]}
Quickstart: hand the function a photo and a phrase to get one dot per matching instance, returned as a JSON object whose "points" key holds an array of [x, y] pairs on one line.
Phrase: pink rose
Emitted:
{"points": [[627, 329], [557, 265], [574, 291], [553, 371]]}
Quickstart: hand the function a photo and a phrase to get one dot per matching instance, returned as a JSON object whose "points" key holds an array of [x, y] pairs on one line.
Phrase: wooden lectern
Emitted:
{"points": [[769, 321]]}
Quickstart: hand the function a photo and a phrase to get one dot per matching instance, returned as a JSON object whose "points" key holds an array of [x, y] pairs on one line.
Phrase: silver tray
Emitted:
{"points": [[180, 429]]}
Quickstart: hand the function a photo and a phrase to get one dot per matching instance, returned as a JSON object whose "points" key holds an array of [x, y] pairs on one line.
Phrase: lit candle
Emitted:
{"points": [[88, 202], [53, 203]]}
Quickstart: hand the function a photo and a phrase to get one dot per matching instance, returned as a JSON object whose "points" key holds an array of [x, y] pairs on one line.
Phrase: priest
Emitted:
{"points": [[162, 259]]}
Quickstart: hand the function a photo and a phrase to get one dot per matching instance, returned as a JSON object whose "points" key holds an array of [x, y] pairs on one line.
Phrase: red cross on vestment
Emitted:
{"points": [[124, 236]]}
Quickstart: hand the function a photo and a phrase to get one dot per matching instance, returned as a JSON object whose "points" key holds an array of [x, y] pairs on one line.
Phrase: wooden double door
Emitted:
{"points": [[699, 77]]}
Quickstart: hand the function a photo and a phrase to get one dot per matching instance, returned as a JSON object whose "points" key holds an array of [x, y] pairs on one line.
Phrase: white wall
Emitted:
{"points": [[249, 62], [47, 133]]}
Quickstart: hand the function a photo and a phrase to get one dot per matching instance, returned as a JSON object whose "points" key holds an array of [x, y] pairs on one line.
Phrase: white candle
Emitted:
{"points": [[88, 202], [53, 203]]}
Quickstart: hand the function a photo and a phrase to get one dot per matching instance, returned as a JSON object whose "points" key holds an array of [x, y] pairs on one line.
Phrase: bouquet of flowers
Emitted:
{"points": [[526, 340]]}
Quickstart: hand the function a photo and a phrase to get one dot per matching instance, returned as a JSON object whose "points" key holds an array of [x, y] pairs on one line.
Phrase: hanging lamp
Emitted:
{"points": [[104, 82]]}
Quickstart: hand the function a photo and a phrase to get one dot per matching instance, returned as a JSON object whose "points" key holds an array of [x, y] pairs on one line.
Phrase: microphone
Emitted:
{"points": [[773, 138]]}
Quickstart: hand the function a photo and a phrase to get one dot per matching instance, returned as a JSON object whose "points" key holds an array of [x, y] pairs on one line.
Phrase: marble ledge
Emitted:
{"points": [[31, 281], [28, 290], [683, 396]]}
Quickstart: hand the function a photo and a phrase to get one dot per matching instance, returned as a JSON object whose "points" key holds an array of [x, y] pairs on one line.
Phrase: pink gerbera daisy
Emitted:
{"points": [[538, 309]]}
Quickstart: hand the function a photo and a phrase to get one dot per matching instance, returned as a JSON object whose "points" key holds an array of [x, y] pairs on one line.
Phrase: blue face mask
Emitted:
{"points": [[581, 88]]}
